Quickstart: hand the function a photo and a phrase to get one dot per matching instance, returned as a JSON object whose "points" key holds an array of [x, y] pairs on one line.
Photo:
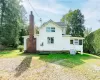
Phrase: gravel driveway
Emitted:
{"points": [[31, 68]]}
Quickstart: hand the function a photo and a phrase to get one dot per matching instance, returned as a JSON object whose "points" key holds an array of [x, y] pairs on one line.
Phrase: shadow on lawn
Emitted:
{"points": [[24, 65], [65, 60]]}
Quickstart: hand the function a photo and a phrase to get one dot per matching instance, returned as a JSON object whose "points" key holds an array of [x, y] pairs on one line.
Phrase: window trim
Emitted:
{"points": [[81, 42], [50, 29], [72, 41], [47, 29], [49, 41], [78, 43]]}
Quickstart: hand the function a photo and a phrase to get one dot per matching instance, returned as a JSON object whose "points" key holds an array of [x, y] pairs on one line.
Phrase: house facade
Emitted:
{"points": [[52, 37]]}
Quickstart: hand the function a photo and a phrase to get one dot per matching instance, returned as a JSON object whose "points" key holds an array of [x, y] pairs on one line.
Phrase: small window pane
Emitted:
{"points": [[80, 42], [48, 40], [48, 29], [76, 42], [52, 40], [71, 41], [52, 29]]}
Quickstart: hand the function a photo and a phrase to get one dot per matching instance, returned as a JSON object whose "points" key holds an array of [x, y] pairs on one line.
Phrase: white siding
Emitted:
{"points": [[64, 30], [43, 38], [25, 44], [60, 42]]}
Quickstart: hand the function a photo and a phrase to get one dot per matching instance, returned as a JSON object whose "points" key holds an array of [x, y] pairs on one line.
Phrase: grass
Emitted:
{"points": [[68, 60], [78, 64], [9, 53]]}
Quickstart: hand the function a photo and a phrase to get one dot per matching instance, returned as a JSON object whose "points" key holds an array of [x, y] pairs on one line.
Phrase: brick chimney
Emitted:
{"points": [[31, 25], [31, 41]]}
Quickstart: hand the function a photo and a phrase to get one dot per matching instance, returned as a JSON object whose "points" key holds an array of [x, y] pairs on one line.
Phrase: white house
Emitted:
{"points": [[52, 37]]}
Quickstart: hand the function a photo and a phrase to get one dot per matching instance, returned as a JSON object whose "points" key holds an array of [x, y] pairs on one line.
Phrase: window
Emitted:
{"points": [[80, 42], [71, 41], [50, 29], [76, 42], [50, 40]]}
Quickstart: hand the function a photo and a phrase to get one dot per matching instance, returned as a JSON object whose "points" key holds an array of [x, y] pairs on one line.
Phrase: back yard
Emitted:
{"points": [[15, 65]]}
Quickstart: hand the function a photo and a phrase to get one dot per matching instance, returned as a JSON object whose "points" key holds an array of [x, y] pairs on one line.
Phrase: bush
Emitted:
{"points": [[21, 48], [92, 43]]}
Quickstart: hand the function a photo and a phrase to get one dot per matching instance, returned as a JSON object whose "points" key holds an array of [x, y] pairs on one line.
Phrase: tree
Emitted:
{"points": [[23, 32], [11, 22], [87, 31], [92, 43], [75, 21]]}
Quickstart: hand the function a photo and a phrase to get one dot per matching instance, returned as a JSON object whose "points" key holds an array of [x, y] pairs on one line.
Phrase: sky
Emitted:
{"points": [[55, 9]]}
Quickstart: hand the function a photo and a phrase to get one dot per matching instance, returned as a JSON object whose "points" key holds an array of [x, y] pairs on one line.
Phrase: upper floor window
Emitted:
{"points": [[50, 29], [47, 29]]}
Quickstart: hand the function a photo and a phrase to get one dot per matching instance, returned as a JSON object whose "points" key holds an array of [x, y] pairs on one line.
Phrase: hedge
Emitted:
{"points": [[92, 43]]}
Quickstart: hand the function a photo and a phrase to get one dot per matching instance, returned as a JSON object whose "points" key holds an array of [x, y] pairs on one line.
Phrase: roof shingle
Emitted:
{"points": [[60, 23]]}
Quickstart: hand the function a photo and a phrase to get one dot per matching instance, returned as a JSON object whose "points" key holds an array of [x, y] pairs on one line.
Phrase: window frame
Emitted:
{"points": [[76, 42], [81, 42], [49, 40], [50, 29], [47, 29], [72, 41]]}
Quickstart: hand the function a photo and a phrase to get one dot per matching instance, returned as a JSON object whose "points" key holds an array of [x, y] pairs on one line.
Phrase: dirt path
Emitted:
{"points": [[28, 68]]}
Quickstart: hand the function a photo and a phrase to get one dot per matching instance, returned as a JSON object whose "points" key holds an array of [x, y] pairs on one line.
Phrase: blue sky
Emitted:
{"points": [[55, 9]]}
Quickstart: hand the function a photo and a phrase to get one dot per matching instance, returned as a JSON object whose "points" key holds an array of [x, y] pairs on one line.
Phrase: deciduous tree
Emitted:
{"points": [[75, 23], [10, 22]]}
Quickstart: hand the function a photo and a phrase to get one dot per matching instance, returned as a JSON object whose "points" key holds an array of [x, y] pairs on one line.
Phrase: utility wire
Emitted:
{"points": [[33, 8], [35, 12]]}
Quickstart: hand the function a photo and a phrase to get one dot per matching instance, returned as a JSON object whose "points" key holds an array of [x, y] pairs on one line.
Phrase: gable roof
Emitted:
{"points": [[59, 24], [62, 24], [50, 21]]}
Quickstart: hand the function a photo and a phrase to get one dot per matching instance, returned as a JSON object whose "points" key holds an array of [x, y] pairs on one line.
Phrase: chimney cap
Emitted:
{"points": [[31, 12]]}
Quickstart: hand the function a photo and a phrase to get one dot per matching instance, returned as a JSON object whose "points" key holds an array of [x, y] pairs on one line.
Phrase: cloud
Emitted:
{"points": [[55, 9], [48, 9], [91, 11], [49, 6]]}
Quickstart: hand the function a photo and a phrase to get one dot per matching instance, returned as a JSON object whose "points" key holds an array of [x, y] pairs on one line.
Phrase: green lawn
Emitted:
{"points": [[86, 65], [9, 53], [68, 60]]}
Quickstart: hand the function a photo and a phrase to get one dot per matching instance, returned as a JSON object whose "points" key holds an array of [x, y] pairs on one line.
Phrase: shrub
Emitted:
{"points": [[21, 48], [92, 43]]}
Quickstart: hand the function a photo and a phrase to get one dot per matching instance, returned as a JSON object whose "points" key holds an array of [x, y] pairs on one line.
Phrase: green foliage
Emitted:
{"points": [[9, 53], [22, 33], [87, 31], [67, 60], [75, 21], [92, 43], [21, 48], [10, 22]]}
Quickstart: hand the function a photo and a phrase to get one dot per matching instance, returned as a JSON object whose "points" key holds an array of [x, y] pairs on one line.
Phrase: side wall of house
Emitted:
{"points": [[25, 42], [43, 38], [60, 43]]}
